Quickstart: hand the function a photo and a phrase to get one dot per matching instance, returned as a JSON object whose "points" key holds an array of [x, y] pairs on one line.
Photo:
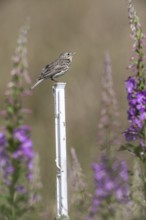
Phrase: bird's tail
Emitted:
{"points": [[37, 83]]}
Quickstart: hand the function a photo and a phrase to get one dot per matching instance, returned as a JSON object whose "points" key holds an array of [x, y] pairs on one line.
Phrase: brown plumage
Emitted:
{"points": [[55, 69]]}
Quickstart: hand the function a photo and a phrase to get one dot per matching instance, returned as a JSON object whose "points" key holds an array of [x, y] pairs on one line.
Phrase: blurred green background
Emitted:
{"points": [[89, 27]]}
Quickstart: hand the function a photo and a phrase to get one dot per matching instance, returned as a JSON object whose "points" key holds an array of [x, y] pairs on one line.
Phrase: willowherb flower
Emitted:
{"points": [[79, 199], [16, 148], [2, 140], [137, 109], [24, 150], [136, 96], [111, 184], [21, 154], [136, 84], [5, 165], [108, 123]]}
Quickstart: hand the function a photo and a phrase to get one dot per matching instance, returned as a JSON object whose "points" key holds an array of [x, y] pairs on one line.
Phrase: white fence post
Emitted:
{"points": [[61, 158]]}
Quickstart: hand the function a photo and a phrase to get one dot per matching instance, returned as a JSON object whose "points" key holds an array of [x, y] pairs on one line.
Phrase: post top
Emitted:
{"points": [[59, 85]]}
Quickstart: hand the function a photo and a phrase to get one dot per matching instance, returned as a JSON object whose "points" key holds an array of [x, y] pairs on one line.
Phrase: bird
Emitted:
{"points": [[55, 69]]}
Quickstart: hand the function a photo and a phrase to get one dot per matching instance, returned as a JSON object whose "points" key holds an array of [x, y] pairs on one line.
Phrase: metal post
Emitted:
{"points": [[61, 160]]}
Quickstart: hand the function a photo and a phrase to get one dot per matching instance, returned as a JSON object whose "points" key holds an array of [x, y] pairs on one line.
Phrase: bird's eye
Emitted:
{"points": [[68, 54]]}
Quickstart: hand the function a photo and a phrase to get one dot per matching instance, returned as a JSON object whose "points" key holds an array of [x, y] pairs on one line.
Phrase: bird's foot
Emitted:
{"points": [[54, 80]]}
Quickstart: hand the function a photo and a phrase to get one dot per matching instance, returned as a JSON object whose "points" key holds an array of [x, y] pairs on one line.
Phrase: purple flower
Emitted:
{"points": [[22, 133], [27, 149], [24, 151], [2, 148], [123, 171], [7, 171], [99, 170], [137, 109], [2, 140], [16, 151], [20, 189], [109, 185], [136, 85], [110, 180], [120, 193], [5, 165], [131, 134], [130, 84]]}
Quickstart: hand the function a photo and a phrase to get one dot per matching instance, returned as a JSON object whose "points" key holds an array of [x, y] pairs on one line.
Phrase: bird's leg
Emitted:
{"points": [[53, 79]]}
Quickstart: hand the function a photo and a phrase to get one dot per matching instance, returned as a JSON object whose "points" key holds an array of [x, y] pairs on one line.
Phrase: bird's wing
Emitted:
{"points": [[53, 68], [47, 69]]}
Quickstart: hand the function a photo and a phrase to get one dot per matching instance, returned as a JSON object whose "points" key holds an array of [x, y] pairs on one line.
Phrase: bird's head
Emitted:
{"points": [[67, 55]]}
